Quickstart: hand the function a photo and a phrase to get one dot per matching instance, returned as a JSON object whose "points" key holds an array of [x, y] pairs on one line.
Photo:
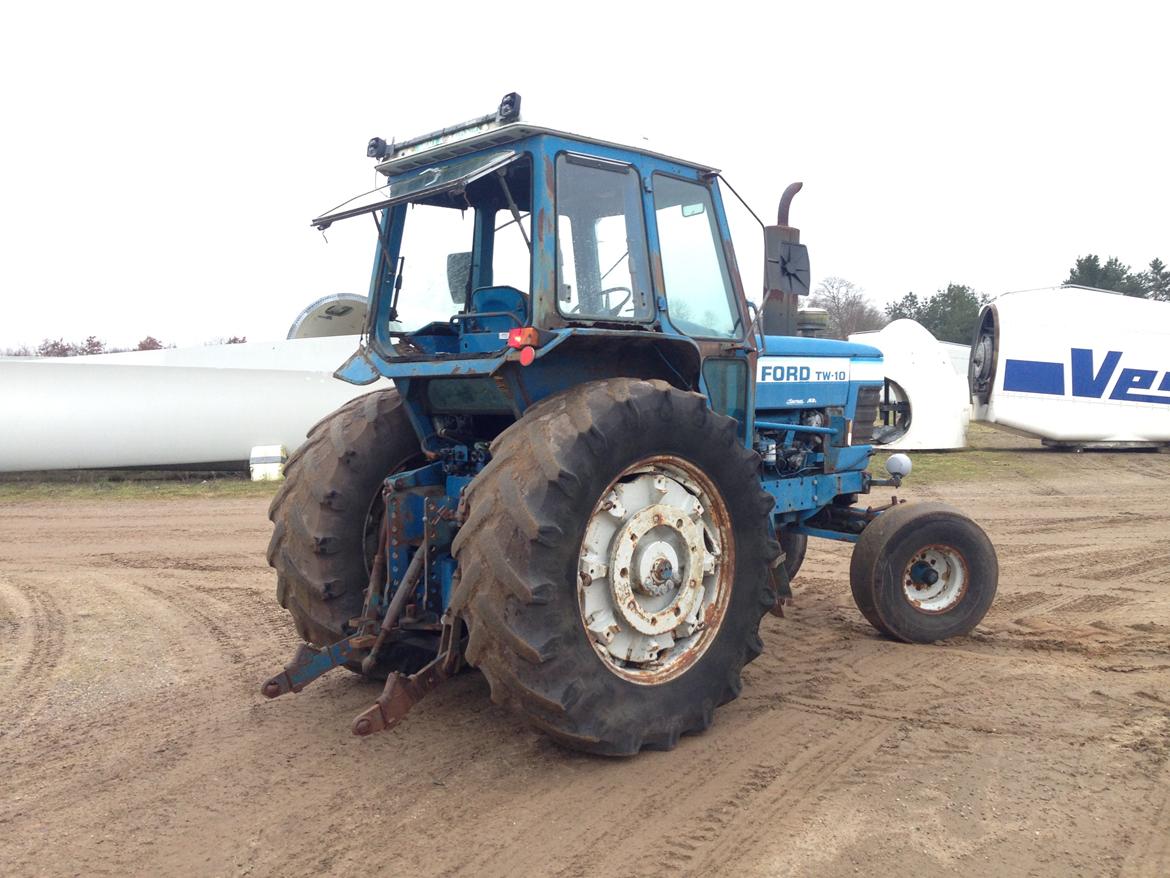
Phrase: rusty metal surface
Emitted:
{"points": [[778, 574], [367, 622], [786, 203], [402, 693], [309, 663], [912, 587], [713, 613]]}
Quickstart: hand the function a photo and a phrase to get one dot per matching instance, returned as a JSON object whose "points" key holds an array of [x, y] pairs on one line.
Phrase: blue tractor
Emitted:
{"points": [[599, 464]]}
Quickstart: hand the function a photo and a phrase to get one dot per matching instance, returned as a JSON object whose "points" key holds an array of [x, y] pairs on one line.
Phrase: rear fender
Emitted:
{"points": [[587, 356]]}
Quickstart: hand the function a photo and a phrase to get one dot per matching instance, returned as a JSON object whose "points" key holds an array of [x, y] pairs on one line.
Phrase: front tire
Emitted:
{"points": [[923, 572], [647, 648]]}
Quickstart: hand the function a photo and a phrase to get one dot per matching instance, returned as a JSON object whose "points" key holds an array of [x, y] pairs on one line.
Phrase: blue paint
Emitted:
{"points": [[801, 395], [1034, 376], [1085, 380], [822, 533], [809, 494], [799, 346], [1137, 379], [796, 428]]}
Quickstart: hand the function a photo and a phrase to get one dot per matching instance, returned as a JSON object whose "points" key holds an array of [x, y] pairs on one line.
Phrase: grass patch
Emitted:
{"points": [[936, 467], [992, 454]]}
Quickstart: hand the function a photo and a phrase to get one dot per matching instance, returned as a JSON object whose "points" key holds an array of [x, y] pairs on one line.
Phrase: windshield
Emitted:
{"points": [[463, 249], [431, 235], [425, 183]]}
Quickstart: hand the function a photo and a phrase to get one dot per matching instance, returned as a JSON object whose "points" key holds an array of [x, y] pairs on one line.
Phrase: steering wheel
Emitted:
{"points": [[615, 310]]}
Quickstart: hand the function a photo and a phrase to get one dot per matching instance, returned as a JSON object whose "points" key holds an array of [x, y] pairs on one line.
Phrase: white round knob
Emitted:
{"points": [[899, 465]]}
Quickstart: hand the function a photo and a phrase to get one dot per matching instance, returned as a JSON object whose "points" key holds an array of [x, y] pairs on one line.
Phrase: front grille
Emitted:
{"points": [[868, 400]]}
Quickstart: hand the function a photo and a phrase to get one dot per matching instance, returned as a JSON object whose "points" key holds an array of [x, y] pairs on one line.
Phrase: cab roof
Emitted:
{"points": [[450, 146]]}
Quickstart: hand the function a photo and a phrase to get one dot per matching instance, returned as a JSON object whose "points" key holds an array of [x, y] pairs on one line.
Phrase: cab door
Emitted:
{"points": [[702, 290]]}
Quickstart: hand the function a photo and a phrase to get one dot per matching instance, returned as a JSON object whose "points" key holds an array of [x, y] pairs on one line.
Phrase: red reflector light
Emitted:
{"points": [[527, 355], [523, 335]]}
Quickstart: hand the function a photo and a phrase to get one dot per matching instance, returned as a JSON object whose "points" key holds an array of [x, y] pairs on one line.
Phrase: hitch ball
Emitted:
{"points": [[898, 465]]}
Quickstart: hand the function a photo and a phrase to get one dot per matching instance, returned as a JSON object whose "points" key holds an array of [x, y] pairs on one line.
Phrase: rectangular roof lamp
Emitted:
{"points": [[507, 112]]}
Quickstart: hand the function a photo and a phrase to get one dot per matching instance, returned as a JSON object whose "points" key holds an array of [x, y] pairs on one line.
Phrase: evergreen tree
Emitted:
{"points": [[951, 314], [1113, 275], [1156, 280]]}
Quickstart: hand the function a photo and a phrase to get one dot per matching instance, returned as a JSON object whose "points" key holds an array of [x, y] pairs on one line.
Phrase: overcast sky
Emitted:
{"points": [[160, 162]]}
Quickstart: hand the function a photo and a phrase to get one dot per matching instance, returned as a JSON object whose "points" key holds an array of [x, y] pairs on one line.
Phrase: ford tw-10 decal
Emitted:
{"points": [[802, 369]]}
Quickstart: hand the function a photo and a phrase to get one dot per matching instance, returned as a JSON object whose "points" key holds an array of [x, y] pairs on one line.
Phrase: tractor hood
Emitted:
{"points": [[797, 372], [799, 346]]}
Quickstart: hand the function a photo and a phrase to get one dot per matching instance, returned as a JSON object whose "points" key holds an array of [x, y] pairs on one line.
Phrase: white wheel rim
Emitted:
{"points": [[935, 579], [654, 570]]}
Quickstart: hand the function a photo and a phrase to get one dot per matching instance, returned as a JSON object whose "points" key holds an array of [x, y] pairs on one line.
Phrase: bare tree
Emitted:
{"points": [[92, 345], [57, 347], [849, 308]]}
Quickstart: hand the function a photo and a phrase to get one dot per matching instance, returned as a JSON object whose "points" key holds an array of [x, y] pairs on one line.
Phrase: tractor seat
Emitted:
{"points": [[494, 300]]}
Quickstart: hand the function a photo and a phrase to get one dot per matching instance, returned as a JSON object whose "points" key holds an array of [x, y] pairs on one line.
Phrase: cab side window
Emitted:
{"points": [[699, 295], [602, 263]]}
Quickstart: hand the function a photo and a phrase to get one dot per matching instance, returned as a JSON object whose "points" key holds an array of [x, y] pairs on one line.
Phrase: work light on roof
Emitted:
{"points": [[508, 111]]}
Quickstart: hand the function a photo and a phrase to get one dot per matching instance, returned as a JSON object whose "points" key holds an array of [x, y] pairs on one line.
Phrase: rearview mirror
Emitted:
{"points": [[459, 276]]}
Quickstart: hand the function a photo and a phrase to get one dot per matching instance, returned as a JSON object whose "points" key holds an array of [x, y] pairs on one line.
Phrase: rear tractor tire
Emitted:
{"points": [[326, 517], [923, 572], [614, 565]]}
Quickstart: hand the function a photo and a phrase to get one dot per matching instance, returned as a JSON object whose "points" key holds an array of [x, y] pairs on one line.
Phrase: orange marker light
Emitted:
{"points": [[521, 336]]}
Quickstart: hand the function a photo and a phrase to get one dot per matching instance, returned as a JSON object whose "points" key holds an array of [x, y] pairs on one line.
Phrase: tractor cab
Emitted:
{"points": [[504, 251]]}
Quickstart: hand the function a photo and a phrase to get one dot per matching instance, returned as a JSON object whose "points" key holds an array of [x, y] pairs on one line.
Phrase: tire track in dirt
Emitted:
{"points": [[730, 798], [1149, 856], [1093, 623], [772, 798], [1112, 563], [33, 635], [190, 658], [90, 691]]}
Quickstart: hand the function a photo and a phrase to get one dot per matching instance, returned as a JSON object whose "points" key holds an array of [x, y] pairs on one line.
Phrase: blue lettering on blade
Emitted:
{"points": [[1086, 382], [1090, 379]]}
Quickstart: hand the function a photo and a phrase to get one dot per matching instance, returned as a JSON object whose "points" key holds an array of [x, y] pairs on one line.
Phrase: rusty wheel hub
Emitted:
{"points": [[935, 579], [653, 570]]}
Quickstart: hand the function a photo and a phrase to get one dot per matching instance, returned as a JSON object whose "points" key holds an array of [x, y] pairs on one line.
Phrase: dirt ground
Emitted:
{"points": [[134, 635]]}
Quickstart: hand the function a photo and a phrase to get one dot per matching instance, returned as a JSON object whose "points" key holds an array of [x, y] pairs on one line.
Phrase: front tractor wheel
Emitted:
{"points": [[614, 565], [923, 572]]}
